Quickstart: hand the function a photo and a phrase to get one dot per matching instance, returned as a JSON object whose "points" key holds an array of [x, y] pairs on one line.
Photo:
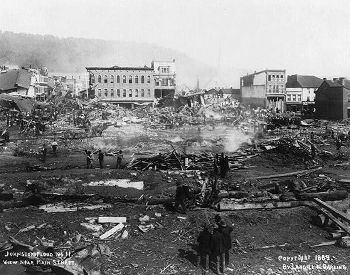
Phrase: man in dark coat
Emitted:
{"points": [[203, 240], [100, 158], [217, 248], [44, 151], [119, 159], [180, 196], [226, 232], [89, 159]]}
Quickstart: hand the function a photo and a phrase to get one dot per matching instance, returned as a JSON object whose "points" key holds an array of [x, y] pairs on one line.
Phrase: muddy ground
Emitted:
{"points": [[169, 248]]}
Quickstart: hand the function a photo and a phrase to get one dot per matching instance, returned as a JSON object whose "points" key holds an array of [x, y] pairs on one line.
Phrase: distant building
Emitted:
{"points": [[17, 81], [300, 92], [127, 86], [333, 99], [164, 78], [266, 89]]}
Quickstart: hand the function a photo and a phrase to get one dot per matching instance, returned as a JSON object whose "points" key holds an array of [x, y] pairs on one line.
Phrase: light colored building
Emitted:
{"points": [[266, 89], [127, 86], [164, 78], [300, 92]]}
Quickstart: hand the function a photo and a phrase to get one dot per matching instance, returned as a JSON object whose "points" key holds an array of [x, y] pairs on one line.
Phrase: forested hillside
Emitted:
{"points": [[72, 55]]}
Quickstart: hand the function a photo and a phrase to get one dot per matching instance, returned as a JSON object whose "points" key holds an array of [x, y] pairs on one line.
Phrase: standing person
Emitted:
{"points": [[180, 196], [224, 166], [54, 145], [313, 151], [119, 159], [89, 159], [203, 240], [100, 158], [338, 143], [217, 248], [226, 232], [44, 151]]}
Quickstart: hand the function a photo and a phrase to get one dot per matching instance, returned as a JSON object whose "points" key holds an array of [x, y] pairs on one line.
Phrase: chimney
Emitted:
{"points": [[341, 80], [335, 79], [325, 78]]}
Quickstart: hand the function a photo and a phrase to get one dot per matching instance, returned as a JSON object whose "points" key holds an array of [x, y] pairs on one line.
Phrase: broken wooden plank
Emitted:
{"points": [[301, 172], [111, 219], [324, 244], [332, 210], [225, 205], [336, 221], [112, 231], [325, 196]]}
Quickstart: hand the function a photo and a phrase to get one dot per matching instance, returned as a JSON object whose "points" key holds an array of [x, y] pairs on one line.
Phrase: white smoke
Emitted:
{"points": [[234, 139]]}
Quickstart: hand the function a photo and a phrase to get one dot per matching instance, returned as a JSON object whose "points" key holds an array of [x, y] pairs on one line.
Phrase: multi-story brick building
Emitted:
{"points": [[266, 89], [164, 78], [333, 99], [127, 86]]}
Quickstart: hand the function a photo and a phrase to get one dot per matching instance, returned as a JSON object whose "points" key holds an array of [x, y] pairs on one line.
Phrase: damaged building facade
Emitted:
{"points": [[265, 89], [164, 78], [333, 99], [125, 86], [132, 86]]}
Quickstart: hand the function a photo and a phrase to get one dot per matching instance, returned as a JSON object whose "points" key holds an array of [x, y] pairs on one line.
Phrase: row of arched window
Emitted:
{"points": [[120, 79], [124, 93]]}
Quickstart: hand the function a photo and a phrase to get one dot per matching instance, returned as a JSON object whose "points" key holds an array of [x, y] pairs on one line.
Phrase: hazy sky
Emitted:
{"points": [[305, 37]]}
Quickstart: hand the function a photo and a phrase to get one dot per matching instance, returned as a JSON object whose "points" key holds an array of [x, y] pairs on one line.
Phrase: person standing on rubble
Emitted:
{"points": [[180, 196], [224, 166], [338, 143], [44, 151], [100, 158], [89, 159], [226, 231], [204, 239], [54, 145], [313, 151], [119, 159], [217, 248]]}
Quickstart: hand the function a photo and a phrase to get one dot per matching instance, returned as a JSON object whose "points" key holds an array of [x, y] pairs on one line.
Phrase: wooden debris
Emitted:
{"points": [[336, 221], [326, 196], [332, 210], [296, 173], [112, 231], [111, 219], [324, 244], [226, 205]]}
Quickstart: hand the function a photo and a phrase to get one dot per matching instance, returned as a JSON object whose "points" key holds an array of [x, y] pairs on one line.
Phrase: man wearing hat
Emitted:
{"points": [[180, 196], [203, 240], [226, 230], [217, 248]]}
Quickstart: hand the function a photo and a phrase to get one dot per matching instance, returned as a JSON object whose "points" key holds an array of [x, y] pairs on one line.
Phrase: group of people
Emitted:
{"points": [[101, 155], [54, 146], [214, 247]]}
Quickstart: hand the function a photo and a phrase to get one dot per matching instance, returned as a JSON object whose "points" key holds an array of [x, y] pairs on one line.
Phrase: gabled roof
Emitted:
{"points": [[303, 81], [15, 78], [337, 83]]}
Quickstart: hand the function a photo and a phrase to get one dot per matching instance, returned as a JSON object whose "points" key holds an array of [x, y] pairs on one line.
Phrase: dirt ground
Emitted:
{"points": [[170, 247]]}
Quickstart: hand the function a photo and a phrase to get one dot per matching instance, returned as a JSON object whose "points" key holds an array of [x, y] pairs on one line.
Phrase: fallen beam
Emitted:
{"points": [[336, 221], [111, 219], [226, 205], [300, 173], [332, 210], [325, 196], [112, 231]]}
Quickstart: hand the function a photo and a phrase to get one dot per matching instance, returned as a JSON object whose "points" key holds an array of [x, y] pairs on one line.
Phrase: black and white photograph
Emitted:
{"points": [[188, 137]]}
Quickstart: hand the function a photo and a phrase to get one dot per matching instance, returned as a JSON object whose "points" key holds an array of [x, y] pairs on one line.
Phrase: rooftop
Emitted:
{"points": [[117, 68], [303, 81], [15, 78]]}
